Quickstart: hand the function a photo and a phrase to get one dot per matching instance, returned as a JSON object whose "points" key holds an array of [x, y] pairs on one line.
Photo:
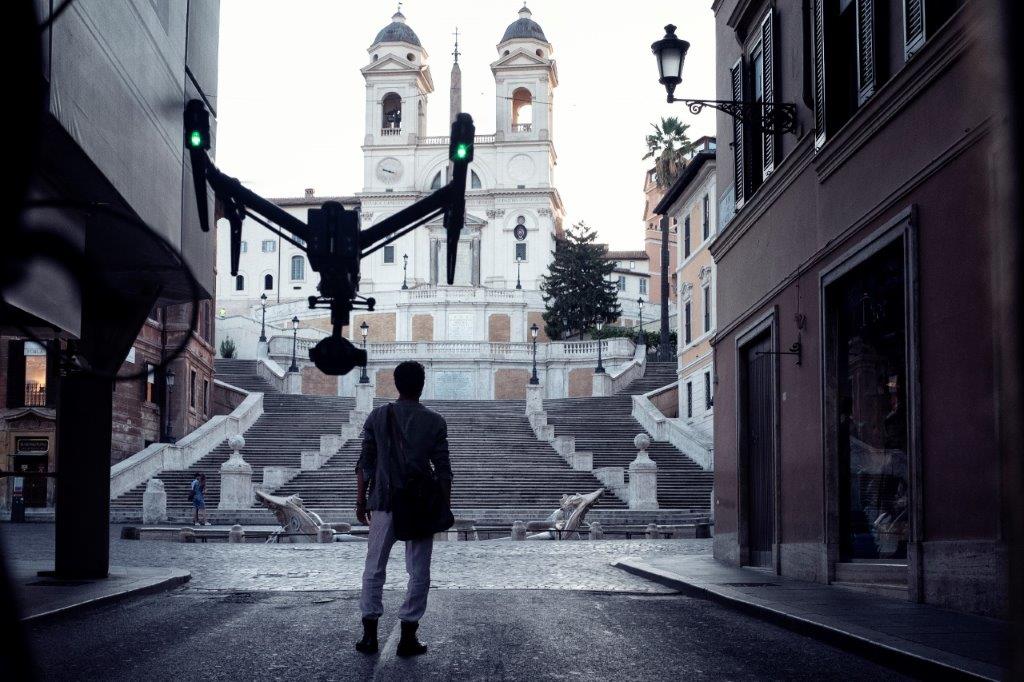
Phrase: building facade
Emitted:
{"points": [[855, 302], [691, 203], [652, 240]]}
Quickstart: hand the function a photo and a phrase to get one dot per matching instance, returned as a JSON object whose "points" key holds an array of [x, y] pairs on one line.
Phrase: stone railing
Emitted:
{"points": [[612, 349], [445, 139], [522, 127], [272, 372], [695, 444], [388, 132], [615, 380], [158, 457], [460, 295]]}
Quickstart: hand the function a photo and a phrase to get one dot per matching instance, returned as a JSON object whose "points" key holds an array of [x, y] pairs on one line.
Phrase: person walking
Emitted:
{"points": [[196, 495], [401, 440]]}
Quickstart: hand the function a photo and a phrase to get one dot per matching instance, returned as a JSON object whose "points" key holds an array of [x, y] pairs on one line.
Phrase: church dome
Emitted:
{"points": [[524, 28], [397, 32]]}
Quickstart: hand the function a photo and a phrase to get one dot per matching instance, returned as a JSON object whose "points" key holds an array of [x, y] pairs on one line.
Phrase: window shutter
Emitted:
{"points": [[913, 26], [16, 374], [769, 141], [865, 50], [739, 161], [819, 73], [52, 372]]}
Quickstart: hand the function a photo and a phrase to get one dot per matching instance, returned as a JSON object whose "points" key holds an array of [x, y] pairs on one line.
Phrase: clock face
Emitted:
{"points": [[389, 171]]}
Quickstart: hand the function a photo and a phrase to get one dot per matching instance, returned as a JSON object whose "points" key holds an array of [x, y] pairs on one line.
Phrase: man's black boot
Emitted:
{"points": [[408, 645], [368, 644]]}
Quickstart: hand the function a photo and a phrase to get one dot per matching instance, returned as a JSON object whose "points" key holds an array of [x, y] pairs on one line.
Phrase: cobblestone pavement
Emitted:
{"points": [[568, 565]]}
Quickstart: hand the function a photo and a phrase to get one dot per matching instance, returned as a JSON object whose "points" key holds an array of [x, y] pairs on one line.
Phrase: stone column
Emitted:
{"points": [[154, 502], [534, 399], [643, 477], [235, 478]]}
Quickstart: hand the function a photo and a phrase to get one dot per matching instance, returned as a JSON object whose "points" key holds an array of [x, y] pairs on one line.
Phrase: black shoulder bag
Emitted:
{"points": [[419, 507]]}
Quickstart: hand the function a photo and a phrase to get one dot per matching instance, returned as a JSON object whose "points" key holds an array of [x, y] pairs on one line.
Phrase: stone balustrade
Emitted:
{"points": [[697, 446]]}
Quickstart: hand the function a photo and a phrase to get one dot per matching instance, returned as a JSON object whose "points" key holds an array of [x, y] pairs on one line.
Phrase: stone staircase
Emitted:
{"points": [[497, 463], [243, 374], [289, 424], [605, 427]]}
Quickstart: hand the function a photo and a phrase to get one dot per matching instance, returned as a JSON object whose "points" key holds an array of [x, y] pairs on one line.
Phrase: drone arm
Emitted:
{"points": [[230, 188], [439, 200]]}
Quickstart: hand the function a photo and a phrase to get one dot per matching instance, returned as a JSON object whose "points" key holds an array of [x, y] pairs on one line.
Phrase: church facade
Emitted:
{"points": [[513, 215]]}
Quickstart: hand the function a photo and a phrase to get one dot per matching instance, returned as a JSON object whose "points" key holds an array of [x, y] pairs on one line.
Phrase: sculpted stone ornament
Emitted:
{"points": [[298, 524], [568, 517]]}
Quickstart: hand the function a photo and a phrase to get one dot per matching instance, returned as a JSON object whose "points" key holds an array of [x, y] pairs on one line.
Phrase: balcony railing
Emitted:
{"points": [[522, 127], [444, 139], [35, 396], [385, 132]]}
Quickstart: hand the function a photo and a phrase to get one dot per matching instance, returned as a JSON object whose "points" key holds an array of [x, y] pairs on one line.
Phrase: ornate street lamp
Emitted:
{"points": [[169, 381], [565, 329], [295, 341], [772, 117], [364, 329], [640, 307], [519, 266], [263, 321], [534, 329], [405, 271], [600, 367]]}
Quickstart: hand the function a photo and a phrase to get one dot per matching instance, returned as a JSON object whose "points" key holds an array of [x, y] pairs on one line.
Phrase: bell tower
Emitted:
{"points": [[398, 82], [525, 78]]}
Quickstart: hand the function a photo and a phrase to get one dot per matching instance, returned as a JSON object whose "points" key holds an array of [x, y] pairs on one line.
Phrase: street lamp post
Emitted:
{"points": [[263, 320], [519, 267], [600, 366], [169, 381], [295, 341], [405, 271], [640, 307], [534, 329], [771, 117], [364, 329]]}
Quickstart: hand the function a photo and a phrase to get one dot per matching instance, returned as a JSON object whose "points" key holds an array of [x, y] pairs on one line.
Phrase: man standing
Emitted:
{"points": [[425, 445]]}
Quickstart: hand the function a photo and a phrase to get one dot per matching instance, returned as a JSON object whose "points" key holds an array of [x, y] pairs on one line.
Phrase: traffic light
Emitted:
{"points": [[460, 150], [197, 126]]}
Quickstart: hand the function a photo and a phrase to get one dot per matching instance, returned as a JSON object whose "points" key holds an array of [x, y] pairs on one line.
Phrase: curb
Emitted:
{"points": [[177, 578], [898, 659]]}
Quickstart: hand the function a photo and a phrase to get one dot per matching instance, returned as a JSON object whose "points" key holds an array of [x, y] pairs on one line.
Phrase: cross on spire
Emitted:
{"points": [[456, 52]]}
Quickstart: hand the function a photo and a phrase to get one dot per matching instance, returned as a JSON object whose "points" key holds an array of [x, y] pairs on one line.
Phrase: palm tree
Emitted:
{"points": [[668, 145]]}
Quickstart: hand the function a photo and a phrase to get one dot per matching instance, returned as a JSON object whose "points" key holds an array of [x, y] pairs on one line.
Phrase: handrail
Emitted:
{"points": [[675, 431]]}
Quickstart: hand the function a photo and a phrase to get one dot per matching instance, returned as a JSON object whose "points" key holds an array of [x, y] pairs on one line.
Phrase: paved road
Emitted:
{"points": [[473, 634], [277, 612]]}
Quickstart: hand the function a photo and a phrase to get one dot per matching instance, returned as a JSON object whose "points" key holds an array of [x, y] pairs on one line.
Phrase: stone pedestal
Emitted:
{"points": [[186, 534], [262, 349], [518, 530], [236, 534], [364, 397], [275, 477], [154, 502], [643, 477], [565, 446], [534, 399], [596, 532], [310, 460], [582, 460], [293, 383], [330, 444], [602, 385], [236, 478], [652, 531], [464, 529]]}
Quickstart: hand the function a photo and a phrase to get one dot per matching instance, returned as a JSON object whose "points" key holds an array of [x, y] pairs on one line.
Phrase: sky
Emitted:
{"points": [[290, 102]]}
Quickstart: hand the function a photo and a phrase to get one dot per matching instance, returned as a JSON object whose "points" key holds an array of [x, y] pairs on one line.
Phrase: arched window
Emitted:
{"points": [[240, 283], [298, 268], [474, 181], [391, 113], [522, 110], [268, 282], [436, 182]]}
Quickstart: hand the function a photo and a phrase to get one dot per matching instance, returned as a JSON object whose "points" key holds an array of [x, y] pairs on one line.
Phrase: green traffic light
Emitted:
{"points": [[196, 139], [461, 151]]}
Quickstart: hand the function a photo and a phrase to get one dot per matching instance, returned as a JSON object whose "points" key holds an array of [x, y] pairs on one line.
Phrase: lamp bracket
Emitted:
{"points": [[774, 118]]}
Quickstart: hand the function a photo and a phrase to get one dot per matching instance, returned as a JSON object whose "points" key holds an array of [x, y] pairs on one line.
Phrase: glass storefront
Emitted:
{"points": [[869, 377]]}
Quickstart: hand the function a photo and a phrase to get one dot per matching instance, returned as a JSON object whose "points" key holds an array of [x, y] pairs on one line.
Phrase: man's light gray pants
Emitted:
{"points": [[417, 565]]}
